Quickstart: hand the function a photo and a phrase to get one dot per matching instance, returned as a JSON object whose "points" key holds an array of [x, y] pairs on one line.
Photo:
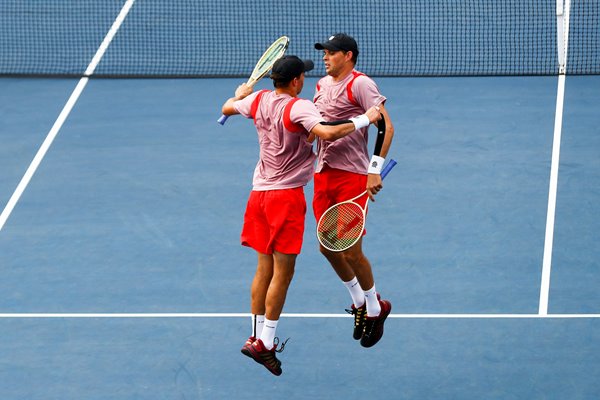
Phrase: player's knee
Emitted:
{"points": [[332, 256], [284, 273], [354, 257]]}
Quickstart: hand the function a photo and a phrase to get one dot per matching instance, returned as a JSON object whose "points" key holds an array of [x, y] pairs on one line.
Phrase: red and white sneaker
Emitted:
{"points": [[266, 357], [247, 345]]}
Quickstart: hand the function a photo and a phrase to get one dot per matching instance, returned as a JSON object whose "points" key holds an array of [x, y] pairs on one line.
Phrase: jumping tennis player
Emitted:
{"points": [[343, 171], [276, 209]]}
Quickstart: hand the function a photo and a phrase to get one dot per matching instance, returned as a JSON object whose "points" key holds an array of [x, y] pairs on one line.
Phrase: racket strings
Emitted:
{"points": [[341, 226]]}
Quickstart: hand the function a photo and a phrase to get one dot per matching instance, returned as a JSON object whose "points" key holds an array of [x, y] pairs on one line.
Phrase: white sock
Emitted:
{"points": [[358, 296], [373, 307], [268, 333], [258, 321]]}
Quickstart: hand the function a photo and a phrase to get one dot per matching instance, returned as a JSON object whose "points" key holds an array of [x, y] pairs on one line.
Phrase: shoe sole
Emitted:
{"points": [[246, 349], [246, 352], [256, 357]]}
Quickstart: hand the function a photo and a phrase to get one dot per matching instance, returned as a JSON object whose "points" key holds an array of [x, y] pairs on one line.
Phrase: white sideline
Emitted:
{"points": [[14, 199], [562, 29]]}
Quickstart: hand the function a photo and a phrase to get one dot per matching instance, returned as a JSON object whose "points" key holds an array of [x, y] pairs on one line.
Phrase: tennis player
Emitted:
{"points": [[343, 171], [276, 209]]}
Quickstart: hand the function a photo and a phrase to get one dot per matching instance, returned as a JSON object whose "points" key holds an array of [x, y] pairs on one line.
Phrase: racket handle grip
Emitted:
{"points": [[222, 119], [386, 170]]}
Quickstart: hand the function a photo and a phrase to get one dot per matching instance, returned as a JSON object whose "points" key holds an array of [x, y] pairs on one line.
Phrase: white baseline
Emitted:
{"points": [[290, 315]]}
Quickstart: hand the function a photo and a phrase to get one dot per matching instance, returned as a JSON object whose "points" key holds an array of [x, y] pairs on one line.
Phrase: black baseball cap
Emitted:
{"points": [[337, 42], [289, 67]]}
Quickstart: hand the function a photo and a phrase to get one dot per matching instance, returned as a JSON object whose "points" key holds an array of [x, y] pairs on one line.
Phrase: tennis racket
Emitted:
{"points": [[341, 226], [264, 64]]}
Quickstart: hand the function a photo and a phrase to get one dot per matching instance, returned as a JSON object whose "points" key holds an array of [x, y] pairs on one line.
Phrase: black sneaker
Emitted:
{"points": [[261, 355], [374, 325], [360, 314]]}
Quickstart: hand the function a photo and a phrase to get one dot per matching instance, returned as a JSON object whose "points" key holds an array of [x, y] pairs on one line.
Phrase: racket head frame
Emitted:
{"points": [[268, 58], [264, 64], [320, 232], [322, 235]]}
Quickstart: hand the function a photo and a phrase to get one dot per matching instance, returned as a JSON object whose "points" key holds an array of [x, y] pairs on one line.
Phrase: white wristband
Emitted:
{"points": [[376, 165], [361, 121]]}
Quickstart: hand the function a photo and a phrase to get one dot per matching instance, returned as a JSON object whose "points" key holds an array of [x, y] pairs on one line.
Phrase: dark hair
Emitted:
{"points": [[354, 56], [287, 68], [280, 83]]}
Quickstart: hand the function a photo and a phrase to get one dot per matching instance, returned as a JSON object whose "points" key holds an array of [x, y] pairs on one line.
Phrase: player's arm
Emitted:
{"points": [[241, 92], [338, 129], [382, 146], [388, 134]]}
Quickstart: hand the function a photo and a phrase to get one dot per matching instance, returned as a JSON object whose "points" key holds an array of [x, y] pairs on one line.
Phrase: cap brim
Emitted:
{"points": [[328, 46], [308, 65]]}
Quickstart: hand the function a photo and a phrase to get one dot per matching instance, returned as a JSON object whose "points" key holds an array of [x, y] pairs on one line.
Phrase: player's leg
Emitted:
{"points": [[328, 185], [263, 349], [376, 310], [286, 212], [255, 234], [359, 265], [339, 264], [258, 295], [346, 273], [283, 272], [260, 283]]}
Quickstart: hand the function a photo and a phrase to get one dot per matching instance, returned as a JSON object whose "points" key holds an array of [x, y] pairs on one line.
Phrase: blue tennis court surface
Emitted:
{"points": [[136, 209]]}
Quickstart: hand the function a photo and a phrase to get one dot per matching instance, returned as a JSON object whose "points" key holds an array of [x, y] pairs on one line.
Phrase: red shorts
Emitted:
{"points": [[274, 221], [334, 186]]}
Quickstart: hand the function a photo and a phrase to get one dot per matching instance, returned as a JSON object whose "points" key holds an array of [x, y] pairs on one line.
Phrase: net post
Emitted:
{"points": [[562, 33]]}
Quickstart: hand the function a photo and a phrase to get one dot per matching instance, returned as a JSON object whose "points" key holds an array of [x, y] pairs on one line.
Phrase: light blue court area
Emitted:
{"points": [[137, 208], [467, 203], [152, 359], [28, 108], [576, 277]]}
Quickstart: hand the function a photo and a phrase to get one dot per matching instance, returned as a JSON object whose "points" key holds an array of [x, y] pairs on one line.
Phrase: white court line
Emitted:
{"points": [[562, 24], [553, 188], [12, 202], [291, 315]]}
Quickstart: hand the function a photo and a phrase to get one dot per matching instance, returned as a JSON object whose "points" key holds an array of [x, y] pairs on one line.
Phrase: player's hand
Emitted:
{"points": [[374, 185], [243, 91], [374, 114]]}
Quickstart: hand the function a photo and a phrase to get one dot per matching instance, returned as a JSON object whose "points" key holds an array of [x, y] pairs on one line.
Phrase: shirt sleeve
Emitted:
{"points": [[366, 92], [305, 113], [243, 106]]}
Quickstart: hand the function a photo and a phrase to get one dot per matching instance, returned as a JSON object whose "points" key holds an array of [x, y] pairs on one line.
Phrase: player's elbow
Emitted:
{"points": [[389, 132], [336, 132], [329, 136], [325, 132], [228, 108]]}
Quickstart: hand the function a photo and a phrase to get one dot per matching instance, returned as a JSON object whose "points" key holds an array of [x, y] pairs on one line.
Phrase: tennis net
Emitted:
{"points": [[207, 38]]}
